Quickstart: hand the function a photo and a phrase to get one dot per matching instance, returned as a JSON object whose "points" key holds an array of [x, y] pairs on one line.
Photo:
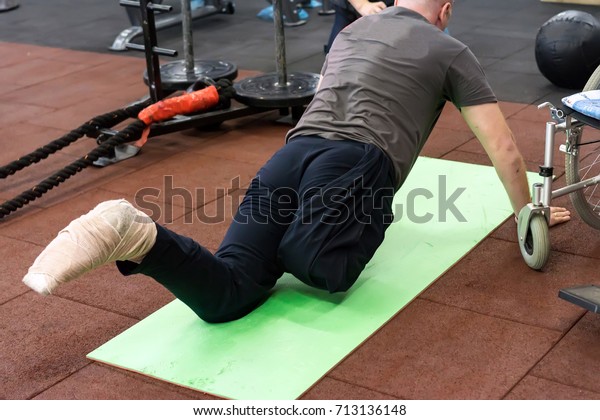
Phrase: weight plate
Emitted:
{"points": [[173, 75], [265, 92]]}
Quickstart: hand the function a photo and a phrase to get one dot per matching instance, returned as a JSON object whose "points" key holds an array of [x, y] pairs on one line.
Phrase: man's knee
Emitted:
{"points": [[336, 274], [223, 312], [331, 271]]}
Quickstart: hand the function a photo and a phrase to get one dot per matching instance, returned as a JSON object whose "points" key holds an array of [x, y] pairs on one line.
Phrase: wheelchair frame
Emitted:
{"points": [[534, 241]]}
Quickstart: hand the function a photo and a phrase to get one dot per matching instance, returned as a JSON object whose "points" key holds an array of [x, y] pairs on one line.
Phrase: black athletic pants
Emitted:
{"points": [[318, 209]]}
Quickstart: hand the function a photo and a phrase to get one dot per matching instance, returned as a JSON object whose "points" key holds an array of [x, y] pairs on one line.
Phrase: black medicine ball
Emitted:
{"points": [[567, 48]]}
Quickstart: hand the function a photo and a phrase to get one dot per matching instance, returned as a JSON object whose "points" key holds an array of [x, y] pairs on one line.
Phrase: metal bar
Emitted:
{"points": [[548, 159], [127, 3], [188, 43], [156, 7], [169, 21], [157, 50], [536, 194], [184, 122], [159, 7], [279, 43], [150, 42], [577, 186]]}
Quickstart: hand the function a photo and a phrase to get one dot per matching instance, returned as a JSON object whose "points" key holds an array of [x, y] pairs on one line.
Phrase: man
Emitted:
{"points": [[319, 208]]}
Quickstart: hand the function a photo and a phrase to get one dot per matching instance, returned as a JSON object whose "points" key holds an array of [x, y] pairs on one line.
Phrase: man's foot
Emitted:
{"points": [[113, 230]]}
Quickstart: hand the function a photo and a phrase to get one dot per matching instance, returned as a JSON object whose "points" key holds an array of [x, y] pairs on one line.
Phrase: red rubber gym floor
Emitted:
{"points": [[489, 328]]}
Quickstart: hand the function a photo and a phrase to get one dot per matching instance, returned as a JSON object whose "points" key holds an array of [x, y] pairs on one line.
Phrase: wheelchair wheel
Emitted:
{"points": [[583, 165], [535, 249]]}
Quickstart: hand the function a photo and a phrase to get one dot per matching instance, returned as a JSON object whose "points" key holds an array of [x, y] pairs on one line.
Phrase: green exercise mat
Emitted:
{"points": [[278, 351]]}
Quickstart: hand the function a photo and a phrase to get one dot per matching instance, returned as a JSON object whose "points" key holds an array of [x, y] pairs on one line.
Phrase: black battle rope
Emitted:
{"points": [[130, 133], [107, 120]]}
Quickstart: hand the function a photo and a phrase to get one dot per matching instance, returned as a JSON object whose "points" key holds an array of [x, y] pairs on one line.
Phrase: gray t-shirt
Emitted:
{"points": [[386, 80]]}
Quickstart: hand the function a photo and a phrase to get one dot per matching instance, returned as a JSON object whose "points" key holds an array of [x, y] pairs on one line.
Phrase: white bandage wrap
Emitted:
{"points": [[114, 230]]}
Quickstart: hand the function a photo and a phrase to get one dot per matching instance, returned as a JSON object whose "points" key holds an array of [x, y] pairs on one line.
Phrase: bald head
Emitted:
{"points": [[438, 12], [423, 4]]}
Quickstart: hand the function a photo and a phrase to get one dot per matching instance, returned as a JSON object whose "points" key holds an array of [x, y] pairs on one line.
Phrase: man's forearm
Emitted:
{"points": [[512, 172], [490, 127]]}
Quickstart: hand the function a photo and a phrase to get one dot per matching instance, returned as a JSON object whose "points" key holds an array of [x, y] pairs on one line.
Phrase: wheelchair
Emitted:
{"points": [[582, 173]]}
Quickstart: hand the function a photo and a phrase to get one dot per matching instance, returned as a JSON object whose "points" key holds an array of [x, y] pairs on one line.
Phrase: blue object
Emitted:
{"points": [[587, 103], [267, 14], [312, 4], [195, 4], [302, 14]]}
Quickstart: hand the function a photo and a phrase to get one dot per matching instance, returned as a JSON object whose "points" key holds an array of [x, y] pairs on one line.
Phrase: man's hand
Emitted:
{"points": [[559, 215], [365, 8]]}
